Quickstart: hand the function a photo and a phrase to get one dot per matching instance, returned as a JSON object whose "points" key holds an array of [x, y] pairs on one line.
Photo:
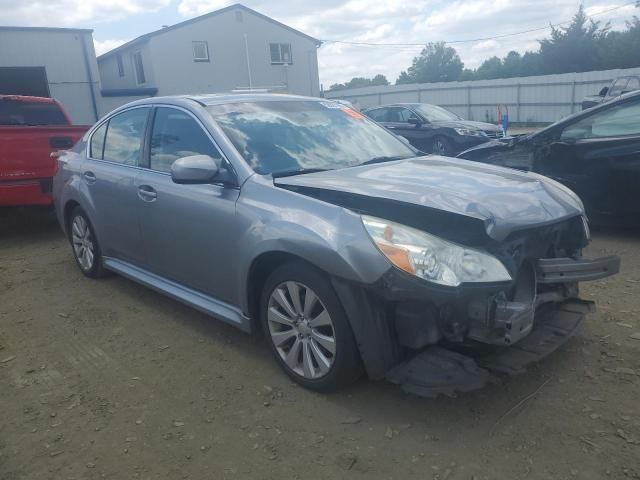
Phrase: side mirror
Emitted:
{"points": [[414, 121], [195, 169], [603, 92]]}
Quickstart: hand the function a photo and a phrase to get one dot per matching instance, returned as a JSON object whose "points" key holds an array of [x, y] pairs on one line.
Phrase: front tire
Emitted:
{"points": [[442, 146], [307, 329], [84, 244]]}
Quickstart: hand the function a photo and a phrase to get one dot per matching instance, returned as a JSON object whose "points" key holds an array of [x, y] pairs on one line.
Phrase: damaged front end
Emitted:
{"points": [[444, 340], [486, 265]]}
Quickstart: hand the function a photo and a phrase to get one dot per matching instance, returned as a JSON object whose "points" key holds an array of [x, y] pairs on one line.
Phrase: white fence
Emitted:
{"points": [[540, 99]]}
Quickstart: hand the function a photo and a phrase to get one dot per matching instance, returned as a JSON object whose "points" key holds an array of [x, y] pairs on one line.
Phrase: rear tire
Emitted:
{"points": [[307, 329], [84, 244]]}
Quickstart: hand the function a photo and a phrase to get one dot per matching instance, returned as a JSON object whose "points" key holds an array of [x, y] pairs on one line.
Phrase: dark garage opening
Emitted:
{"points": [[24, 81]]}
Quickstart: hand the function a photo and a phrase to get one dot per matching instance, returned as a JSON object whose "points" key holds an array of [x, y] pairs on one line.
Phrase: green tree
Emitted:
{"points": [[621, 49], [403, 78], [490, 68], [531, 64], [379, 80], [358, 82], [573, 48], [436, 63], [512, 65]]}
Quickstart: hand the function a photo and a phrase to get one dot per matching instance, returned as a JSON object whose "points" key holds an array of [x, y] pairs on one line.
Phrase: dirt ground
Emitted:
{"points": [[107, 379]]}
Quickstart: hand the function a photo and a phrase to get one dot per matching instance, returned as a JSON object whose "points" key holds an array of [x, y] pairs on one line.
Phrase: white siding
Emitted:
{"points": [[61, 54], [110, 77], [170, 67], [539, 99]]}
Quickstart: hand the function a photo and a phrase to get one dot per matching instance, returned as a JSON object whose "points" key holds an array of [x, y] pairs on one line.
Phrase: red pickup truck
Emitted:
{"points": [[31, 128]]}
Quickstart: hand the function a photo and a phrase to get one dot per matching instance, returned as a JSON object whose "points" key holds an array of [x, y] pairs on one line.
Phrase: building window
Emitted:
{"points": [[238, 16], [280, 53], [120, 65], [200, 52], [137, 63]]}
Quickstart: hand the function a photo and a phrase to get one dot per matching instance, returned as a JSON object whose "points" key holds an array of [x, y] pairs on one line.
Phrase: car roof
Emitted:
{"points": [[224, 98], [26, 98]]}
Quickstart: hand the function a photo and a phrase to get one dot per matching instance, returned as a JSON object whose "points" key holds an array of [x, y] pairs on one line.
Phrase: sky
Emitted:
{"points": [[369, 21]]}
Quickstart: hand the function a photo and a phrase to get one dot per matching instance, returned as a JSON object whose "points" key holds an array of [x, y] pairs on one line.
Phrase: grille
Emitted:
{"points": [[493, 133]]}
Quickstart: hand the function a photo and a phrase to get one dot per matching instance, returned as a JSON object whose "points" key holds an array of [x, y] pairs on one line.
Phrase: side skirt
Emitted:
{"points": [[198, 300]]}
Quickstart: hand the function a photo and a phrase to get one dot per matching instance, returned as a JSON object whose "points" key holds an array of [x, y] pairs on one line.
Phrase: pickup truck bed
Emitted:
{"points": [[26, 166]]}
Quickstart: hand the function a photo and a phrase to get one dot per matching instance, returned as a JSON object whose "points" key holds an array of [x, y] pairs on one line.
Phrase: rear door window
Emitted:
{"points": [[14, 112], [401, 115], [634, 84], [125, 132], [176, 134]]}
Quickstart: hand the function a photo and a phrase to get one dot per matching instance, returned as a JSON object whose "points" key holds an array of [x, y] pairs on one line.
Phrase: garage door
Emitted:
{"points": [[24, 81]]}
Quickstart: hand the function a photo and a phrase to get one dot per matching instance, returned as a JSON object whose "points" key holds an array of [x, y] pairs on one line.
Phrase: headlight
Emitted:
{"points": [[466, 132], [432, 258]]}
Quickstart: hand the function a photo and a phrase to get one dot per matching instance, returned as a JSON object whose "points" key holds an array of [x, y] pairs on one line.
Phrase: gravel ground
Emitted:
{"points": [[107, 379]]}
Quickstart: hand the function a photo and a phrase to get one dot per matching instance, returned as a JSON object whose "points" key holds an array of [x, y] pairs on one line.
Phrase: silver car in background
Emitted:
{"points": [[305, 219]]}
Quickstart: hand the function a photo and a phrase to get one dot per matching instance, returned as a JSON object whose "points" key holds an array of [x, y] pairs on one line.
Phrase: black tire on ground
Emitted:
{"points": [[442, 146], [347, 364], [96, 270]]}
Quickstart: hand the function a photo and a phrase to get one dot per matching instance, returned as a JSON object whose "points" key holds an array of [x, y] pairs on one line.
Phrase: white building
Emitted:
{"points": [[232, 48], [228, 49], [52, 62]]}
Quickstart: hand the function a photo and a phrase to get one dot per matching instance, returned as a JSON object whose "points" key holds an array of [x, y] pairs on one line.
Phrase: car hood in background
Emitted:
{"points": [[504, 200], [468, 124]]}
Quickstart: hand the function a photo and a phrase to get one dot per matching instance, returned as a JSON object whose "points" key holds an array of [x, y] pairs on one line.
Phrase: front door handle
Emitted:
{"points": [[90, 177], [147, 193]]}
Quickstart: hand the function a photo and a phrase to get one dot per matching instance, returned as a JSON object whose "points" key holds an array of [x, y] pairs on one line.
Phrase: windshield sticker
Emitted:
{"points": [[353, 113], [335, 105]]}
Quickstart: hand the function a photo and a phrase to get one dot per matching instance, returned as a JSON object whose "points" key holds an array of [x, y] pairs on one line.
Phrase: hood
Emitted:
{"points": [[468, 124], [504, 200], [490, 146]]}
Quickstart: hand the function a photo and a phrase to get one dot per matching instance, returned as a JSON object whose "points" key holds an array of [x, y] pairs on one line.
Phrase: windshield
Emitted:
{"points": [[288, 136], [433, 113], [17, 112]]}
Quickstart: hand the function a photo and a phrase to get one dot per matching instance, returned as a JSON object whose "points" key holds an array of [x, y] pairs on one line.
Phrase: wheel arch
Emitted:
{"points": [[259, 270], [68, 208]]}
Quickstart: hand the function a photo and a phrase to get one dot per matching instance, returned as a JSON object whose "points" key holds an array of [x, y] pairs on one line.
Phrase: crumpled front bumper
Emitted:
{"points": [[548, 281], [437, 371], [401, 319]]}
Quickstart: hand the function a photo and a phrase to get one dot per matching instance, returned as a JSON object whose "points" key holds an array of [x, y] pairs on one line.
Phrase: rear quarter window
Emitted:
{"points": [[97, 142], [17, 112]]}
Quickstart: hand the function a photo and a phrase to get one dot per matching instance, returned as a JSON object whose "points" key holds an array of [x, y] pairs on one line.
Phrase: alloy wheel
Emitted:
{"points": [[301, 330], [82, 242]]}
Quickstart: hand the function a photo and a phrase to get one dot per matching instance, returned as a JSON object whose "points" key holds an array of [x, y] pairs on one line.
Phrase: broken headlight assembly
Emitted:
{"points": [[432, 258]]}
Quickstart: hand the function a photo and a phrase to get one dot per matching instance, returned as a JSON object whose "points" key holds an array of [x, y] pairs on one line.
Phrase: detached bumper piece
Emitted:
{"points": [[561, 270], [436, 371]]}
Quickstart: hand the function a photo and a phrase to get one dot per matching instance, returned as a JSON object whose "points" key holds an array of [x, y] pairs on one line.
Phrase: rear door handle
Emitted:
{"points": [[147, 193], [90, 177]]}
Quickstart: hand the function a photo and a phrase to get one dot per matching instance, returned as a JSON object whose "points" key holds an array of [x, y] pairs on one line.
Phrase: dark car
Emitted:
{"points": [[596, 153], [619, 86], [431, 128]]}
